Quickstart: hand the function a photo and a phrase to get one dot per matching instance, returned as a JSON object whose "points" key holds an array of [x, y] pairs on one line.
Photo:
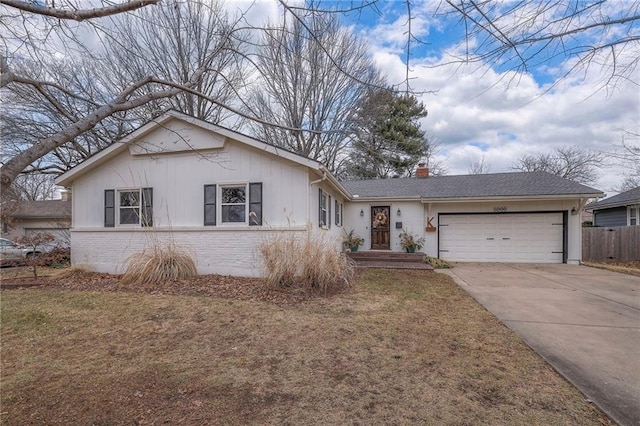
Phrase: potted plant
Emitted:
{"points": [[351, 240], [409, 242]]}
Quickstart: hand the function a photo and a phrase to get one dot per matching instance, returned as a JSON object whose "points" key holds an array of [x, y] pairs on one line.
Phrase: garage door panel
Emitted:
{"points": [[530, 237]]}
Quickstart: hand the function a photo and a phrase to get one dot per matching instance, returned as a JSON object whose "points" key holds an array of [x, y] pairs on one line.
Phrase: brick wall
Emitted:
{"points": [[215, 251]]}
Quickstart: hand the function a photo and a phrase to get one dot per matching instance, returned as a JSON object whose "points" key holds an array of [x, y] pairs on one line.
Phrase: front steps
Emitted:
{"points": [[389, 260]]}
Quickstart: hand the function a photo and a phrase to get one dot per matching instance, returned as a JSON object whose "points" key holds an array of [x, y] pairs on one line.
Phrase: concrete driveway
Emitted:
{"points": [[583, 321]]}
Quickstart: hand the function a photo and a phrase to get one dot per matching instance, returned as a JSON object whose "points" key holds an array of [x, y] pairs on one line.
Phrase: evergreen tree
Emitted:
{"points": [[388, 141]]}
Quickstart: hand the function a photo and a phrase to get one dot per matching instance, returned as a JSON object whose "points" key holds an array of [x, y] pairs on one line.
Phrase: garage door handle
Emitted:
{"points": [[506, 238], [490, 238]]}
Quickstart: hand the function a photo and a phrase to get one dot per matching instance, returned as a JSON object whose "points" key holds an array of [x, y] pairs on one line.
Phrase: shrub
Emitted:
{"points": [[59, 257], [312, 263], [157, 264], [437, 263]]}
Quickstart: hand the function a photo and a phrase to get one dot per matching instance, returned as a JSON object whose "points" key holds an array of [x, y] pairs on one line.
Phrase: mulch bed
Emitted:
{"points": [[227, 287]]}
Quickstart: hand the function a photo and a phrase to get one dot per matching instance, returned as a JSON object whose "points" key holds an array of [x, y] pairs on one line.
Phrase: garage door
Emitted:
{"points": [[526, 238]]}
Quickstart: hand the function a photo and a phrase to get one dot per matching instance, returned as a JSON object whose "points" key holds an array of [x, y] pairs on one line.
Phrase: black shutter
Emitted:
{"points": [[328, 211], [146, 217], [109, 208], [209, 205], [337, 213], [255, 204]]}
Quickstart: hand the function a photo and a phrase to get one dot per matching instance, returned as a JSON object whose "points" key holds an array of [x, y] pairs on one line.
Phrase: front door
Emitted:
{"points": [[380, 229]]}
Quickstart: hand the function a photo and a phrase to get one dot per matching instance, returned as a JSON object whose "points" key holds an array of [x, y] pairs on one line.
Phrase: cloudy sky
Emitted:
{"points": [[488, 109], [481, 110]]}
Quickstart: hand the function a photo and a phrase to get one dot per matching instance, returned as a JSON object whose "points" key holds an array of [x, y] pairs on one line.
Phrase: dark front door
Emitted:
{"points": [[380, 229]]}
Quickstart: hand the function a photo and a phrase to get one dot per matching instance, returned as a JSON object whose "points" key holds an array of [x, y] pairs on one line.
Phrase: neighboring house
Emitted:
{"points": [[620, 210], [28, 217], [219, 194]]}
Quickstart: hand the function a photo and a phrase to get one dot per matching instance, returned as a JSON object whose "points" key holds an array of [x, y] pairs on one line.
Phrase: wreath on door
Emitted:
{"points": [[380, 219]]}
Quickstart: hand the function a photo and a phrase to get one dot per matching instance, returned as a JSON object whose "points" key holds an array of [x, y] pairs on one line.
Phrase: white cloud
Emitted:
{"points": [[511, 114]]}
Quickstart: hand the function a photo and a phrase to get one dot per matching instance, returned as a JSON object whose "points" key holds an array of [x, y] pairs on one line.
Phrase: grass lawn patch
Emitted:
{"points": [[402, 347]]}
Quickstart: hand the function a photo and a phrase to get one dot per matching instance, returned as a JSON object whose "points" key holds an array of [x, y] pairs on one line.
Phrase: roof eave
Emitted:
{"points": [[510, 198], [614, 205]]}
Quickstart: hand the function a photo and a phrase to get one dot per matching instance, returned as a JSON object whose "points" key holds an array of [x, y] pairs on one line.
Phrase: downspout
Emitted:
{"points": [[322, 179]]}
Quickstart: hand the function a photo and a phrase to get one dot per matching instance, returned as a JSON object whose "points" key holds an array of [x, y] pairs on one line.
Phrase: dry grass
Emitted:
{"points": [[629, 268], [308, 263], [402, 348], [158, 264]]}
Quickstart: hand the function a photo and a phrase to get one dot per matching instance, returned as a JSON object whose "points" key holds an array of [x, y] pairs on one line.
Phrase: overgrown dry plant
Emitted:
{"points": [[310, 262], [157, 264]]}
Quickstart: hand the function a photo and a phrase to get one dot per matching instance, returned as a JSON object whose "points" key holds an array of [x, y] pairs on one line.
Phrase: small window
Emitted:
{"points": [[233, 204], [323, 211], [129, 202], [634, 215], [339, 207]]}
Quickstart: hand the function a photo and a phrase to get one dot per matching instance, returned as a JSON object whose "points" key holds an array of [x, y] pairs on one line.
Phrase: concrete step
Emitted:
{"points": [[389, 260], [386, 256], [394, 265]]}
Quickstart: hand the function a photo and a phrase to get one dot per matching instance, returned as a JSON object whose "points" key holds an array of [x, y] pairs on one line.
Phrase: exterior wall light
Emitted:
{"points": [[574, 211], [361, 213], [398, 212]]}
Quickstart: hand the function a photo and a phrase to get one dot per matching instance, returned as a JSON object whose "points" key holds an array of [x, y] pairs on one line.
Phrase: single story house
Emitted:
{"points": [[620, 210], [28, 217], [218, 194]]}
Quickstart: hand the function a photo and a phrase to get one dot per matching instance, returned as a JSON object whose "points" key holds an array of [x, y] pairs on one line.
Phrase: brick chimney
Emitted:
{"points": [[422, 171]]}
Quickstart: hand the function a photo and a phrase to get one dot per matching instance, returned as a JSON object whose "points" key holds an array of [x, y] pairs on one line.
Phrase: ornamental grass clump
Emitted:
{"points": [[159, 264], [309, 262]]}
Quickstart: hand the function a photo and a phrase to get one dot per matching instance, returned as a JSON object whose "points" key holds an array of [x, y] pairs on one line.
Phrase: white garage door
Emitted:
{"points": [[525, 238]]}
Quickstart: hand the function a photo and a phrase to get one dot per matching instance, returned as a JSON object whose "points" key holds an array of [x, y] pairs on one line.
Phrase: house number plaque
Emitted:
{"points": [[501, 209]]}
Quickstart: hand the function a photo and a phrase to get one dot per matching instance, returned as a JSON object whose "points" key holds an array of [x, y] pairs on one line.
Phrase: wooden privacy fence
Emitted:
{"points": [[614, 244]]}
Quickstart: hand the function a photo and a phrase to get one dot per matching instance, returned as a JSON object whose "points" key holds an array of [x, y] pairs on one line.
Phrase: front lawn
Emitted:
{"points": [[403, 347]]}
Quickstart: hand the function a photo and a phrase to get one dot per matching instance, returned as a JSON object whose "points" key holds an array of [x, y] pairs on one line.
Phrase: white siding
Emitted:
{"points": [[178, 185], [331, 231], [411, 219]]}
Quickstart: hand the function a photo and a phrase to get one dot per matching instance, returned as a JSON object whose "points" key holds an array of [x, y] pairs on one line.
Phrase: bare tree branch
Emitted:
{"points": [[77, 14]]}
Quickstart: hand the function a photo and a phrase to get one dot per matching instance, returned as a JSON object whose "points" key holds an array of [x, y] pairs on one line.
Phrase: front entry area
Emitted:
{"points": [[502, 237], [380, 228]]}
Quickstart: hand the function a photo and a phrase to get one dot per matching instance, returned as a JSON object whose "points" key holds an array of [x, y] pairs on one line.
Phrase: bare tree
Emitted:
{"points": [[34, 186], [171, 41], [626, 156], [479, 166], [85, 103], [302, 86], [574, 163], [524, 35]]}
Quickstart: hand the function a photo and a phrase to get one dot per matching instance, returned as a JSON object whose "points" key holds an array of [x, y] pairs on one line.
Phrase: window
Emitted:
{"points": [[634, 215], [339, 209], [234, 205], [323, 211], [129, 202], [134, 207]]}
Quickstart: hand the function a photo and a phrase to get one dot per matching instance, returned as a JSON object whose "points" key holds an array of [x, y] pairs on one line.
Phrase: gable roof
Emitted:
{"points": [[118, 147], [43, 209], [471, 187], [626, 198]]}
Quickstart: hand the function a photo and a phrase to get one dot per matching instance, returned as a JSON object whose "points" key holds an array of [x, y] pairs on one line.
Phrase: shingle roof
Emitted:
{"points": [[470, 186], [626, 198], [54, 209]]}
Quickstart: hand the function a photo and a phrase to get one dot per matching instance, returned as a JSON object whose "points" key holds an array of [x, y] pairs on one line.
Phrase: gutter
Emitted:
{"points": [[327, 175]]}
